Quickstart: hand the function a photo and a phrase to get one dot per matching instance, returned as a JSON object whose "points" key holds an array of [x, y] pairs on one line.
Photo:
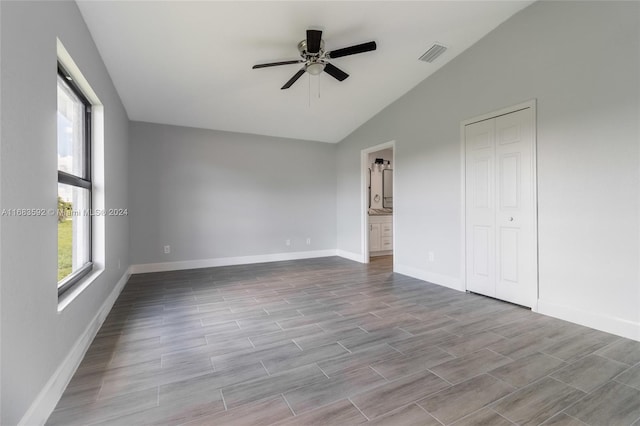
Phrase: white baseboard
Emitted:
{"points": [[46, 401], [228, 261], [356, 257], [609, 324], [442, 280]]}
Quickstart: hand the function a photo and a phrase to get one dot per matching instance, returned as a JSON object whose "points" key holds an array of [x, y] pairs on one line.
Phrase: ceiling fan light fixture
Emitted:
{"points": [[314, 68]]}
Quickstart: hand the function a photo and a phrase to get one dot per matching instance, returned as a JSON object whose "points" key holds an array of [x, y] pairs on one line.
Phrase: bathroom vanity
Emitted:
{"points": [[380, 234]]}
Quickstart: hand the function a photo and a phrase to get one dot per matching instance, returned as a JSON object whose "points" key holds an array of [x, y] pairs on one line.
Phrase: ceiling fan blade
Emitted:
{"points": [[293, 79], [352, 50], [313, 40], [275, 64], [335, 72]]}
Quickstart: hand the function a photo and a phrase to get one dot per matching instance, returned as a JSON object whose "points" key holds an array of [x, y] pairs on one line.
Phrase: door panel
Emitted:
{"points": [[509, 133], [374, 237], [482, 137], [508, 248], [481, 251], [509, 181], [483, 169]]}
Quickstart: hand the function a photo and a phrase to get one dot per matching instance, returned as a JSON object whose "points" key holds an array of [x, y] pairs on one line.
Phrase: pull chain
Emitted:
{"points": [[309, 97], [309, 88]]}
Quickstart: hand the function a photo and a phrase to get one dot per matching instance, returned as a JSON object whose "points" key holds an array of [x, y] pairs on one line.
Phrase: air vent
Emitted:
{"points": [[433, 52]]}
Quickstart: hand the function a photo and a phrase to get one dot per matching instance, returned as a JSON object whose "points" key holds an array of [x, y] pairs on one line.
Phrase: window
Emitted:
{"points": [[74, 183]]}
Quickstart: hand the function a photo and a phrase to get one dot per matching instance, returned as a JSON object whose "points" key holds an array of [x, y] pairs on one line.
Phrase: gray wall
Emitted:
{"points": [[36, 338], [211, 194], [580, 60]]}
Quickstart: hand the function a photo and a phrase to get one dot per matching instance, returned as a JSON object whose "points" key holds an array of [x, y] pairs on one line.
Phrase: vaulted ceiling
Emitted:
{"points": [[188, 63]]}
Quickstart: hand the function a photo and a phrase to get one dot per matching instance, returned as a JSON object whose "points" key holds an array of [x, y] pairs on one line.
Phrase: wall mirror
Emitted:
{"points": [[387, 188]]}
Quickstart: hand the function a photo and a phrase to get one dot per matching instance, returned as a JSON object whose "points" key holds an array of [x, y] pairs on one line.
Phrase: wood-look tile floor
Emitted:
{"points": [[330, 341]]}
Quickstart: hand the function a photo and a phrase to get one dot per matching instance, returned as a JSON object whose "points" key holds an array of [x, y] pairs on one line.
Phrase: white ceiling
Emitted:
{"points": [[188, 63]]}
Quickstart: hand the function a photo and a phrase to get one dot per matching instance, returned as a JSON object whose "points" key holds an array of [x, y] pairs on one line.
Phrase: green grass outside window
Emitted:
{"points": [[65, 229]]}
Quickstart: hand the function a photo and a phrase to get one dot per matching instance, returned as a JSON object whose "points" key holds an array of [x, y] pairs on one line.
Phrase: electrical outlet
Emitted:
{"points": [[431, 256], [287, 242], [308, 241], [167, 249]]}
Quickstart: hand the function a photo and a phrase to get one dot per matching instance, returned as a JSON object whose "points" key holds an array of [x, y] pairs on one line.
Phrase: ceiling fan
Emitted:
{"points": [[316, 59]]}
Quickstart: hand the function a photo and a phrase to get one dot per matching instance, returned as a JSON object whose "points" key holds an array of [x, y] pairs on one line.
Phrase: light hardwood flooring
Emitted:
{"points": [[333, 342]]}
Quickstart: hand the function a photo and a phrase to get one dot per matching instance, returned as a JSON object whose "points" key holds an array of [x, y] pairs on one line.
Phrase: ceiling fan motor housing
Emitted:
{"points": [[302, 48]]}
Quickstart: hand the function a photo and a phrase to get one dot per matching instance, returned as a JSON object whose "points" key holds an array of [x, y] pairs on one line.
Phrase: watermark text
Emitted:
{"points": [[33, 212]]}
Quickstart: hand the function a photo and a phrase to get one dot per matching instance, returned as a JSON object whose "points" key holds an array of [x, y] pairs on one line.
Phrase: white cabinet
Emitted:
{"points": [[380, 235], [374, 237]]}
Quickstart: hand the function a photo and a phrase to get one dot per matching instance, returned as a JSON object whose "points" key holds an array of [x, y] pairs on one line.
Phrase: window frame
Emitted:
{"points": [[84, 182]]}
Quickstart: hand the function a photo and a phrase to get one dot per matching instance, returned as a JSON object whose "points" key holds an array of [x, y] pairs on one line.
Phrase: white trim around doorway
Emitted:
{"points": [[364, 167]]}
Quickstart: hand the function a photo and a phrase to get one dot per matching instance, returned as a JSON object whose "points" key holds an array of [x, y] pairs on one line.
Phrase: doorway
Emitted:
{"points": [[500, 227], [377, 201]]}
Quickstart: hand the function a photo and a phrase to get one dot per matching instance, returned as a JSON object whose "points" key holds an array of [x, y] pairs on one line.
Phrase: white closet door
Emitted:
{"points": [[500, 208], [516, 257], [481, 214]]}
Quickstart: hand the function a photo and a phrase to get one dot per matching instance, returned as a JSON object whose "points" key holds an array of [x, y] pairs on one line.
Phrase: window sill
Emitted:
{"points": [[69, 295]]}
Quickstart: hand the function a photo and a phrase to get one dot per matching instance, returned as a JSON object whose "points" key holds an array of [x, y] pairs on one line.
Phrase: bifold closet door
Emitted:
{"points": [[501, 244]]}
